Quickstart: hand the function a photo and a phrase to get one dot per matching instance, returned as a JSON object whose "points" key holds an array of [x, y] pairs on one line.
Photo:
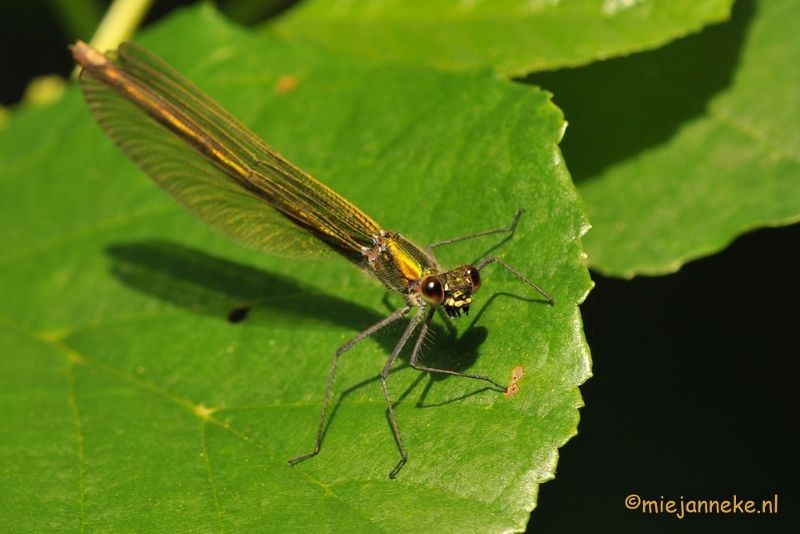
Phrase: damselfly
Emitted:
{"points": [[221, 172]]}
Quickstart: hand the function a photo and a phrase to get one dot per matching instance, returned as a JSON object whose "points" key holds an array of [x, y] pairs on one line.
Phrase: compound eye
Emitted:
{"points": [[432, 290], [474, 276]]}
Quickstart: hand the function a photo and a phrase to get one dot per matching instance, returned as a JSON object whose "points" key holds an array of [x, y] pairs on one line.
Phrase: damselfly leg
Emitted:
{"points": [[426, 311]]}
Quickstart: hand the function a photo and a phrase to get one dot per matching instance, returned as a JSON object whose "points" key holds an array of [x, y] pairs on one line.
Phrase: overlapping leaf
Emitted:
{"points": [[732, 168], [513, 36]]}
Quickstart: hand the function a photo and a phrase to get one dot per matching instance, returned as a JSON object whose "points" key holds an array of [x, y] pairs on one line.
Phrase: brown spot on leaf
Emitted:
{"points": [[286, 84]]}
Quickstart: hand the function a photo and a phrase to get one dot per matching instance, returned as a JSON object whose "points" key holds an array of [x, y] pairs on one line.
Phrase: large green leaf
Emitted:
{"points": [[129, 401], [514, 36], [733, 167]]}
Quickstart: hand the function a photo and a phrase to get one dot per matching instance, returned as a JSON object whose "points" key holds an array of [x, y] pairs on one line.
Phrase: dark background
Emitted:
{"points": [[696, 374]]}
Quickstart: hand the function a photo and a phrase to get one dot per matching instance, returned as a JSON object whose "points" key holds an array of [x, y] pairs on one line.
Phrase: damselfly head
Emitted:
{"points": [[452, 289]]}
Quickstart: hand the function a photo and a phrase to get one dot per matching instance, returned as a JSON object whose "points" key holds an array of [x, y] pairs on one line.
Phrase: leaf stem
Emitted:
{"points": [[119, 23]]}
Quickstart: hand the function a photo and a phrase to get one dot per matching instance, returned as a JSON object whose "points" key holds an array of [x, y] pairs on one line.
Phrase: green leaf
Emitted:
{"points": [[514, 36], [732, 168], [130, 402]]}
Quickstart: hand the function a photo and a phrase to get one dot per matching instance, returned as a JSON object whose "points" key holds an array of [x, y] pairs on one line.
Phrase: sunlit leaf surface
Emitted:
{"points": [[131, 403]]}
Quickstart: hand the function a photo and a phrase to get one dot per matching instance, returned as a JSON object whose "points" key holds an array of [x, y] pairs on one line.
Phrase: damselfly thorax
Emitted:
{"points": [[416, 274]]}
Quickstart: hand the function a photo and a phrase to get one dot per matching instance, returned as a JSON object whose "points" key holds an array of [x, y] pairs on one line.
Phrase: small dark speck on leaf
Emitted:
{"points": [[239, 313]]}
